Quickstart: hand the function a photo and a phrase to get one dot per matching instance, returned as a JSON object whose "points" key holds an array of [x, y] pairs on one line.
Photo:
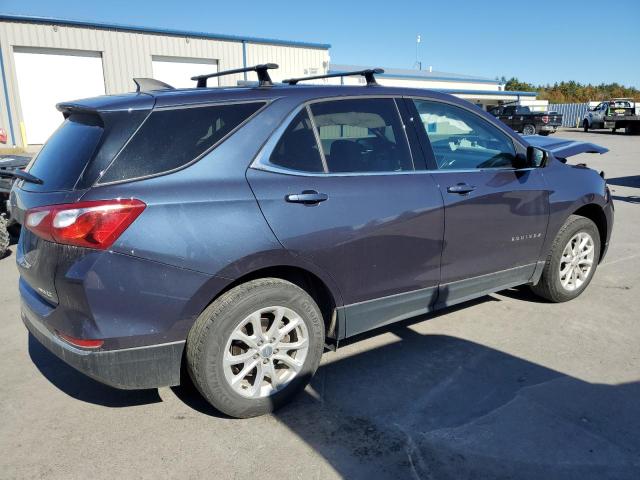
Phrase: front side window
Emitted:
{"points": [[462, 140], [362, 135], [171, 138]]}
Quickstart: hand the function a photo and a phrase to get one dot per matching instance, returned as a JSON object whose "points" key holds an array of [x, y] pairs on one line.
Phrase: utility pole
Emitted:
{"points": [[418, 62]]}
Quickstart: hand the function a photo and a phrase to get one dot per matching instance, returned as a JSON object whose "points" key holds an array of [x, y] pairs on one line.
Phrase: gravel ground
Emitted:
{"points": [[502, 387]]}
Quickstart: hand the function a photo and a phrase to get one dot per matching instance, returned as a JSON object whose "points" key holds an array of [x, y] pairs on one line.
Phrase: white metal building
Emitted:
{"points": [[44, 61]]}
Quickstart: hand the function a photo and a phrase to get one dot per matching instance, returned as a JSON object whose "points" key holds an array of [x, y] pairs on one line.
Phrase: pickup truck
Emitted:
{"points": [[615, 113], [523, 120]]}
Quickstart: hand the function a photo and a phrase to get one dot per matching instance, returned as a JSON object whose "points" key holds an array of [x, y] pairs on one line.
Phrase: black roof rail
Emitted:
{"points": [[368, 74], [264, 80], [148, 84]]}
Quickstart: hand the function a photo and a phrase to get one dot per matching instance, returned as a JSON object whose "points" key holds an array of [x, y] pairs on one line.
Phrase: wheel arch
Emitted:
{"points": [[595, 213], [321, 290]]}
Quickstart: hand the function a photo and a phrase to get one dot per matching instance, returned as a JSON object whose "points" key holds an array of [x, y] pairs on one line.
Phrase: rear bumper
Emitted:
{"points": [[129, 368], [549, 128]]}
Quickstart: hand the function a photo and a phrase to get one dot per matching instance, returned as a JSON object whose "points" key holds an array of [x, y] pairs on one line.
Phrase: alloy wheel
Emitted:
{"points": [[577, 261], [265, 352]]}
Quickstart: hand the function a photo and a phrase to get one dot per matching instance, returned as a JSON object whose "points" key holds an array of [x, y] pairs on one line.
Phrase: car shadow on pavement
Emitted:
{"points": [[630, 181], [629, 199], [81, 387], [436, 406]]}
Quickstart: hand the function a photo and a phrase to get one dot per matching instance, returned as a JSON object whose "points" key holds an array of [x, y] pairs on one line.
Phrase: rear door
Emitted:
{"points": [[495, 214], [338, 186]]}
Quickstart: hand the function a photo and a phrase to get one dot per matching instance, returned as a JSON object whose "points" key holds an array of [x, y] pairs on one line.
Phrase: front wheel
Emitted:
{"points": [[255, 347], [572, 262], [585, 125], [529, 129]]}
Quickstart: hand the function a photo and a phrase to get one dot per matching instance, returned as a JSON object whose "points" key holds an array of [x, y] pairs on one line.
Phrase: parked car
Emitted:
{"points": [[523, 120], [243, 230], [8, 224], [613, 114]]}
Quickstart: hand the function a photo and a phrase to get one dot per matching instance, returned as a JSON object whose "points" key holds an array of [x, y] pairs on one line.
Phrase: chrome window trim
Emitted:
{"points": [[261, 160]]}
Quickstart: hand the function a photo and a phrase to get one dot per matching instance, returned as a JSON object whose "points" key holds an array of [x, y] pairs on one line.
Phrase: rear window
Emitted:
{"points": [[64, 156], [172, 138]]}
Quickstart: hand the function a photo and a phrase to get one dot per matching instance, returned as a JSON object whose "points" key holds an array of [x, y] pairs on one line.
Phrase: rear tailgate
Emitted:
{"points": [[38, 259], [68, 164], [555, 119]]}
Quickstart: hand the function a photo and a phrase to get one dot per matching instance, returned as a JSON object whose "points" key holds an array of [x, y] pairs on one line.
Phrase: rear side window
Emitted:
{"points": [[65, 155], [362, 135], [297, 148], [172, 138]]}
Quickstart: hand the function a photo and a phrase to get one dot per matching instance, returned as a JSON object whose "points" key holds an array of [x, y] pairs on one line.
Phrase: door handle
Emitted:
{"points": [[461, 188], [307, 197]]}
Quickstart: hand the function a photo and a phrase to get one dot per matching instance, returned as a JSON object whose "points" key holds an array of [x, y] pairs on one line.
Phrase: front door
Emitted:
{"points": [[339, 188], [495, 214]]}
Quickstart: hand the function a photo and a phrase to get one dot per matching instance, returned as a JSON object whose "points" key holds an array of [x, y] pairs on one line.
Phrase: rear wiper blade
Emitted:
{"points": [[27, 177]]}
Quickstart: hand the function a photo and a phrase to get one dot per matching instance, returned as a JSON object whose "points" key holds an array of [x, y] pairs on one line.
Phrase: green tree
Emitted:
{"points": [[572, 91]]}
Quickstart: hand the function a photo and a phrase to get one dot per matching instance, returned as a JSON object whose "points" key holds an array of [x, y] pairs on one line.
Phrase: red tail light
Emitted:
{"points": [[545, 119], [79, 342], [93, 224]]}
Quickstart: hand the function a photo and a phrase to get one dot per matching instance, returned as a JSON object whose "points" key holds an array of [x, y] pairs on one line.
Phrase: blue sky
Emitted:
{"points": [[556, 40]]}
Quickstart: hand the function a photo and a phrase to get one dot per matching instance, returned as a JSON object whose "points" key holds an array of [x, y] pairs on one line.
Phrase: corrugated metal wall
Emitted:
{"points": [[293, 61], [572, 113], [128, 54]]}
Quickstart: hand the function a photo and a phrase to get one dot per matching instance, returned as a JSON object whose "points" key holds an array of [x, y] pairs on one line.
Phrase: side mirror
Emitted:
{"points": [[536, 157]]}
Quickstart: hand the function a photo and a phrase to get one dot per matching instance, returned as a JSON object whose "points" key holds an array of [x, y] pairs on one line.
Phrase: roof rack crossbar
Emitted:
{"points": [[264, 80], [368, 74], [148, 84]]}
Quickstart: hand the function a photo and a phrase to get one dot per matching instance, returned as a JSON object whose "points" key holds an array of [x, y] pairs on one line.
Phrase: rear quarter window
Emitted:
{"points": [[172, 138]]}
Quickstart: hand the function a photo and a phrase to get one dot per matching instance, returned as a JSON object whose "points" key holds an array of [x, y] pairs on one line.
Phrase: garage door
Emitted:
{"points": [[177, 71], [49, 76]]}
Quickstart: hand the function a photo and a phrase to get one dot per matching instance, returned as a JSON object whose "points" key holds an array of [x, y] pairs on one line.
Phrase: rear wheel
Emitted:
{"points": [[529, 129], [4, 236], [585, 125], [572, 261], [255, 347]]}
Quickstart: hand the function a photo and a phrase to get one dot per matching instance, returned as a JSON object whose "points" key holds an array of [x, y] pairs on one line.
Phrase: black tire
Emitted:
{"points": [[208, 338], [585, 125], [4, 236], [549, 286], [529, 129]]}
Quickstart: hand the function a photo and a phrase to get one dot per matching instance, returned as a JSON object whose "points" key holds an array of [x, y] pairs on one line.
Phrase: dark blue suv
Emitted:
{"points": [[241, 231]]}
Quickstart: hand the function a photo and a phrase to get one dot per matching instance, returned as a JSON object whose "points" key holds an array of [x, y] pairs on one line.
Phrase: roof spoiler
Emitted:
{"points": [[264, 80]]}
